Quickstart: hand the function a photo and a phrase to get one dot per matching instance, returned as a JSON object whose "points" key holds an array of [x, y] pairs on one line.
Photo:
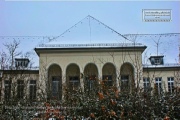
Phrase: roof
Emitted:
{"points": [[22, 59], [20, 71], [89, 33], [25, 68], [166, 44], [90, 45], [164, 66], [158, 56]]}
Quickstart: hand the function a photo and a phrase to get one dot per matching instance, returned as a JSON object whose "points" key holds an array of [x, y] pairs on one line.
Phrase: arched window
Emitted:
{"points": [[90, 77], [127, 77], [73, 76], [54, 89], [109, 74]]}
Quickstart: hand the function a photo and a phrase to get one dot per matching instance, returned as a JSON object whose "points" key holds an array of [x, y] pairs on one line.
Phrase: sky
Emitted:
{"points": [[31, 22]]}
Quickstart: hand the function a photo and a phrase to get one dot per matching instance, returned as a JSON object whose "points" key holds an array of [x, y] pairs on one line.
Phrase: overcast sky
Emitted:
{"points": [[53, 18]]}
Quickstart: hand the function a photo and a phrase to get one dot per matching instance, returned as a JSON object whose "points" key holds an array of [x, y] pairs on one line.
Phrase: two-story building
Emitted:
{"points": [[74, 64]]}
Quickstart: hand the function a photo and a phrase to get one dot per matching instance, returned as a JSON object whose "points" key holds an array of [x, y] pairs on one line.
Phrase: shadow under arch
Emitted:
{"points": [[109, 74], [90, 78], [126, 77], [54, 84], [73, 76]]}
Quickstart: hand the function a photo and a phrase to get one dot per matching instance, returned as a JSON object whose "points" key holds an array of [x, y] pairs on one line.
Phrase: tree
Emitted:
{"points": [[12, 51]]}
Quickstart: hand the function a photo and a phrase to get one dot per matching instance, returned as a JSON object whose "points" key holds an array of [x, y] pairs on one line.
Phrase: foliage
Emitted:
{"points": [[107, 103]]}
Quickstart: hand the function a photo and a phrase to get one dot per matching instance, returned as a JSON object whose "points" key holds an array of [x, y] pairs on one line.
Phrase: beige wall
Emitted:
{"points": [[164, 73], [14, 76], [83, 58]]}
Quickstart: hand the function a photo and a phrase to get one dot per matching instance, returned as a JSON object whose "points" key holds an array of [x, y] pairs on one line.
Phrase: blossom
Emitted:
{"points": [[166, 118], [112, 102], [92, 115], [113, 113], [101, 96]]}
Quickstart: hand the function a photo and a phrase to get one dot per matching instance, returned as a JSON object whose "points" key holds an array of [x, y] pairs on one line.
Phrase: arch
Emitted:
{"points": [[73, 76], [109, 74], [90, 77], [126, 77], [54, 68], [54, 86], [91, 69]]}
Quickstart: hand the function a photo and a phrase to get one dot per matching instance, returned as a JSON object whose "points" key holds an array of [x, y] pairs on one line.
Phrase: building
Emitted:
{"points": [[166, 77], [19, 82], [75, 64]]}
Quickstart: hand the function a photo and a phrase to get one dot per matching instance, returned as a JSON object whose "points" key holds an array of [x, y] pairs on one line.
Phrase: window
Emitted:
{"points": [[108, 80], [170, 84], [56, 86], [157, 61], [21, 62], [146, 84], [20, 89], [91, 82], [125, 83], [74, 82], [32, 89], [158, 82], [7, 92]]}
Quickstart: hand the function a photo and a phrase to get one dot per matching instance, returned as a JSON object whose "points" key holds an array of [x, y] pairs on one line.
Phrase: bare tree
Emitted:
{"points": [[157, 43], [12, 51]]}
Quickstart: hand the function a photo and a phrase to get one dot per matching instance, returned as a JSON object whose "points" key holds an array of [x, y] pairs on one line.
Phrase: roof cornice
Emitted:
{"points": [[90, 49]]}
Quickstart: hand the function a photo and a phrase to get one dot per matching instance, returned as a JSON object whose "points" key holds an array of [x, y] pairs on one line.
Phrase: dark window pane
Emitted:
{"points": [[20, 89], [56, 89], [170, 84], [90, 82], [7, 91], [74, 82], [124, 77], [125, 82], [108, 80], [32, 89]]}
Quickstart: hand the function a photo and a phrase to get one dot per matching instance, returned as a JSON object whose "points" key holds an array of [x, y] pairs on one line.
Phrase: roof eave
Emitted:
{"points": [[89, 49]]}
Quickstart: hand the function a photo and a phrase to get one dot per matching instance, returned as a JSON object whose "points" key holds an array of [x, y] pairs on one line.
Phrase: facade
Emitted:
{"points": [[19, 82], [73, 65], [121, 65], [165, 77], [76, 66]]}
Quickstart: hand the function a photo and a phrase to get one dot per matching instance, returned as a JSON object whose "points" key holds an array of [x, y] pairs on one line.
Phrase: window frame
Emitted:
{"points": [[90, 81], [108, 81], [57, 81], [32, 85], [170, 81], [7, 89], [123, 80], [74, 82], [20, 89], [158, 83], [157, 61], [146, 84]]}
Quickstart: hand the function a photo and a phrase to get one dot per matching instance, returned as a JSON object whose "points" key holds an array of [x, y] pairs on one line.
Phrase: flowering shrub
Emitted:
{"points": [[107, 103]]}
